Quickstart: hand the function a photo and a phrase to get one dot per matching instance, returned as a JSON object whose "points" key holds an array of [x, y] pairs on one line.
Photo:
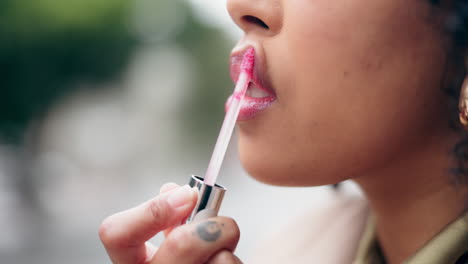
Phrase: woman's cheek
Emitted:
{"points": [[340, 111], [292, 155]]}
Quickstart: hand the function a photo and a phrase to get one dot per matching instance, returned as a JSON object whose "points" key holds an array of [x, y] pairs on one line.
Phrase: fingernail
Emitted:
{"points": [[194, 191], [168, 187], [180, 197]]}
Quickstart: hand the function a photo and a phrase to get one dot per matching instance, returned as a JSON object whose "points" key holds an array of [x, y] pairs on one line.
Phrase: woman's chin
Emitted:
{"points": [[281, 174]]}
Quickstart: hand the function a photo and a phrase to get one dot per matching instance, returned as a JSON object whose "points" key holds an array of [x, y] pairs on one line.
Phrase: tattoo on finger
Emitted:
{"points": [[209, 231]]}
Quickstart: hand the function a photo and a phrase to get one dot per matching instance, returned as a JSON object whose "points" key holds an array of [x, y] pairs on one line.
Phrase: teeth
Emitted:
{"points": [[255, 92]]}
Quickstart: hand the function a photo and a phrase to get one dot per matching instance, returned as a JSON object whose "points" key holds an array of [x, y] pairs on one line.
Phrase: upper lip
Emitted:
{"points": [[259, 76]]}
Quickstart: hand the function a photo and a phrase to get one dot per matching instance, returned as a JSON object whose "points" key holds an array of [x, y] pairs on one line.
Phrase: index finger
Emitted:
{"points": [[124, 234]]}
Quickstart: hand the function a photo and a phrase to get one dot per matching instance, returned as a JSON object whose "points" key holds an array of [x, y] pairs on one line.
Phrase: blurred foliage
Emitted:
{"points": [[47, 46], [210, 50]]}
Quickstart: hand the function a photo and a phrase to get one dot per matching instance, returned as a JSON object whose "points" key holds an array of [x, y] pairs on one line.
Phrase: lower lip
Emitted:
{"points": [[252, 106]]}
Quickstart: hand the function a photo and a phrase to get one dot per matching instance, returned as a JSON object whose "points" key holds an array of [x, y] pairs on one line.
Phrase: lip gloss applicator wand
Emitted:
{"points": [[210, 194]]}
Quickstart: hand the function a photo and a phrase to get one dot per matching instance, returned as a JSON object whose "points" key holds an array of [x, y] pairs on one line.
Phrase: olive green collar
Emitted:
{"points": [[446, 247]]}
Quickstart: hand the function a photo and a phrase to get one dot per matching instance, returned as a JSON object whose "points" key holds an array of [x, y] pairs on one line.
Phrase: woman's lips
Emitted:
{"points": [[255, 101], [259, 94]]}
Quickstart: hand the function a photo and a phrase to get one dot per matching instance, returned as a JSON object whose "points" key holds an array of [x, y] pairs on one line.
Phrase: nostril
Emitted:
{"points": [[256, 21]]}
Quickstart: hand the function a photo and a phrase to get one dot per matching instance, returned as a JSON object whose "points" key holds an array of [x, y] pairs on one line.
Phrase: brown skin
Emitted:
{"points": [[358, 86], [359, 97]]}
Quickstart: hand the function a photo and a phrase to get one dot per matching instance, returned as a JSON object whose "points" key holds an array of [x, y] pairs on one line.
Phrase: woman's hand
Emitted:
{"points": [[211, 241]]}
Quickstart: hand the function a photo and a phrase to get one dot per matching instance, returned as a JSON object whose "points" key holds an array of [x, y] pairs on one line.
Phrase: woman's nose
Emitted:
{"points": [[261, 16]]}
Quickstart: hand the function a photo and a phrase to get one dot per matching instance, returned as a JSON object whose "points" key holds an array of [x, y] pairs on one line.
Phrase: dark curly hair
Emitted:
{"points": [[456, 25]]}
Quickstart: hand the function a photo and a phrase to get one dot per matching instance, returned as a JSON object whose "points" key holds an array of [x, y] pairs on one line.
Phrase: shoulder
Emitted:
{"points": [[325, 235]]}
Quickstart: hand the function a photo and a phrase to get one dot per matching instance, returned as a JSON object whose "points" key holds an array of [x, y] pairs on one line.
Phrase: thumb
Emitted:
{"points": [[124, 234]]}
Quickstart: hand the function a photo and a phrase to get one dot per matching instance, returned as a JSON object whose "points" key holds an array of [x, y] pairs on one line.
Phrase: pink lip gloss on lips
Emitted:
{"points": [[210, 194], [259, 95]]}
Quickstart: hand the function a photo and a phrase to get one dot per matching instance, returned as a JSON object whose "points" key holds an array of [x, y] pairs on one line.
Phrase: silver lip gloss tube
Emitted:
{"points": [[209, 199]]}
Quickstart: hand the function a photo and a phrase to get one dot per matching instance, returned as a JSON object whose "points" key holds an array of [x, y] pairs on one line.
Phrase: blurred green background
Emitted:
{"points": [[47, 47], [63, 66], [103, 101]]}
